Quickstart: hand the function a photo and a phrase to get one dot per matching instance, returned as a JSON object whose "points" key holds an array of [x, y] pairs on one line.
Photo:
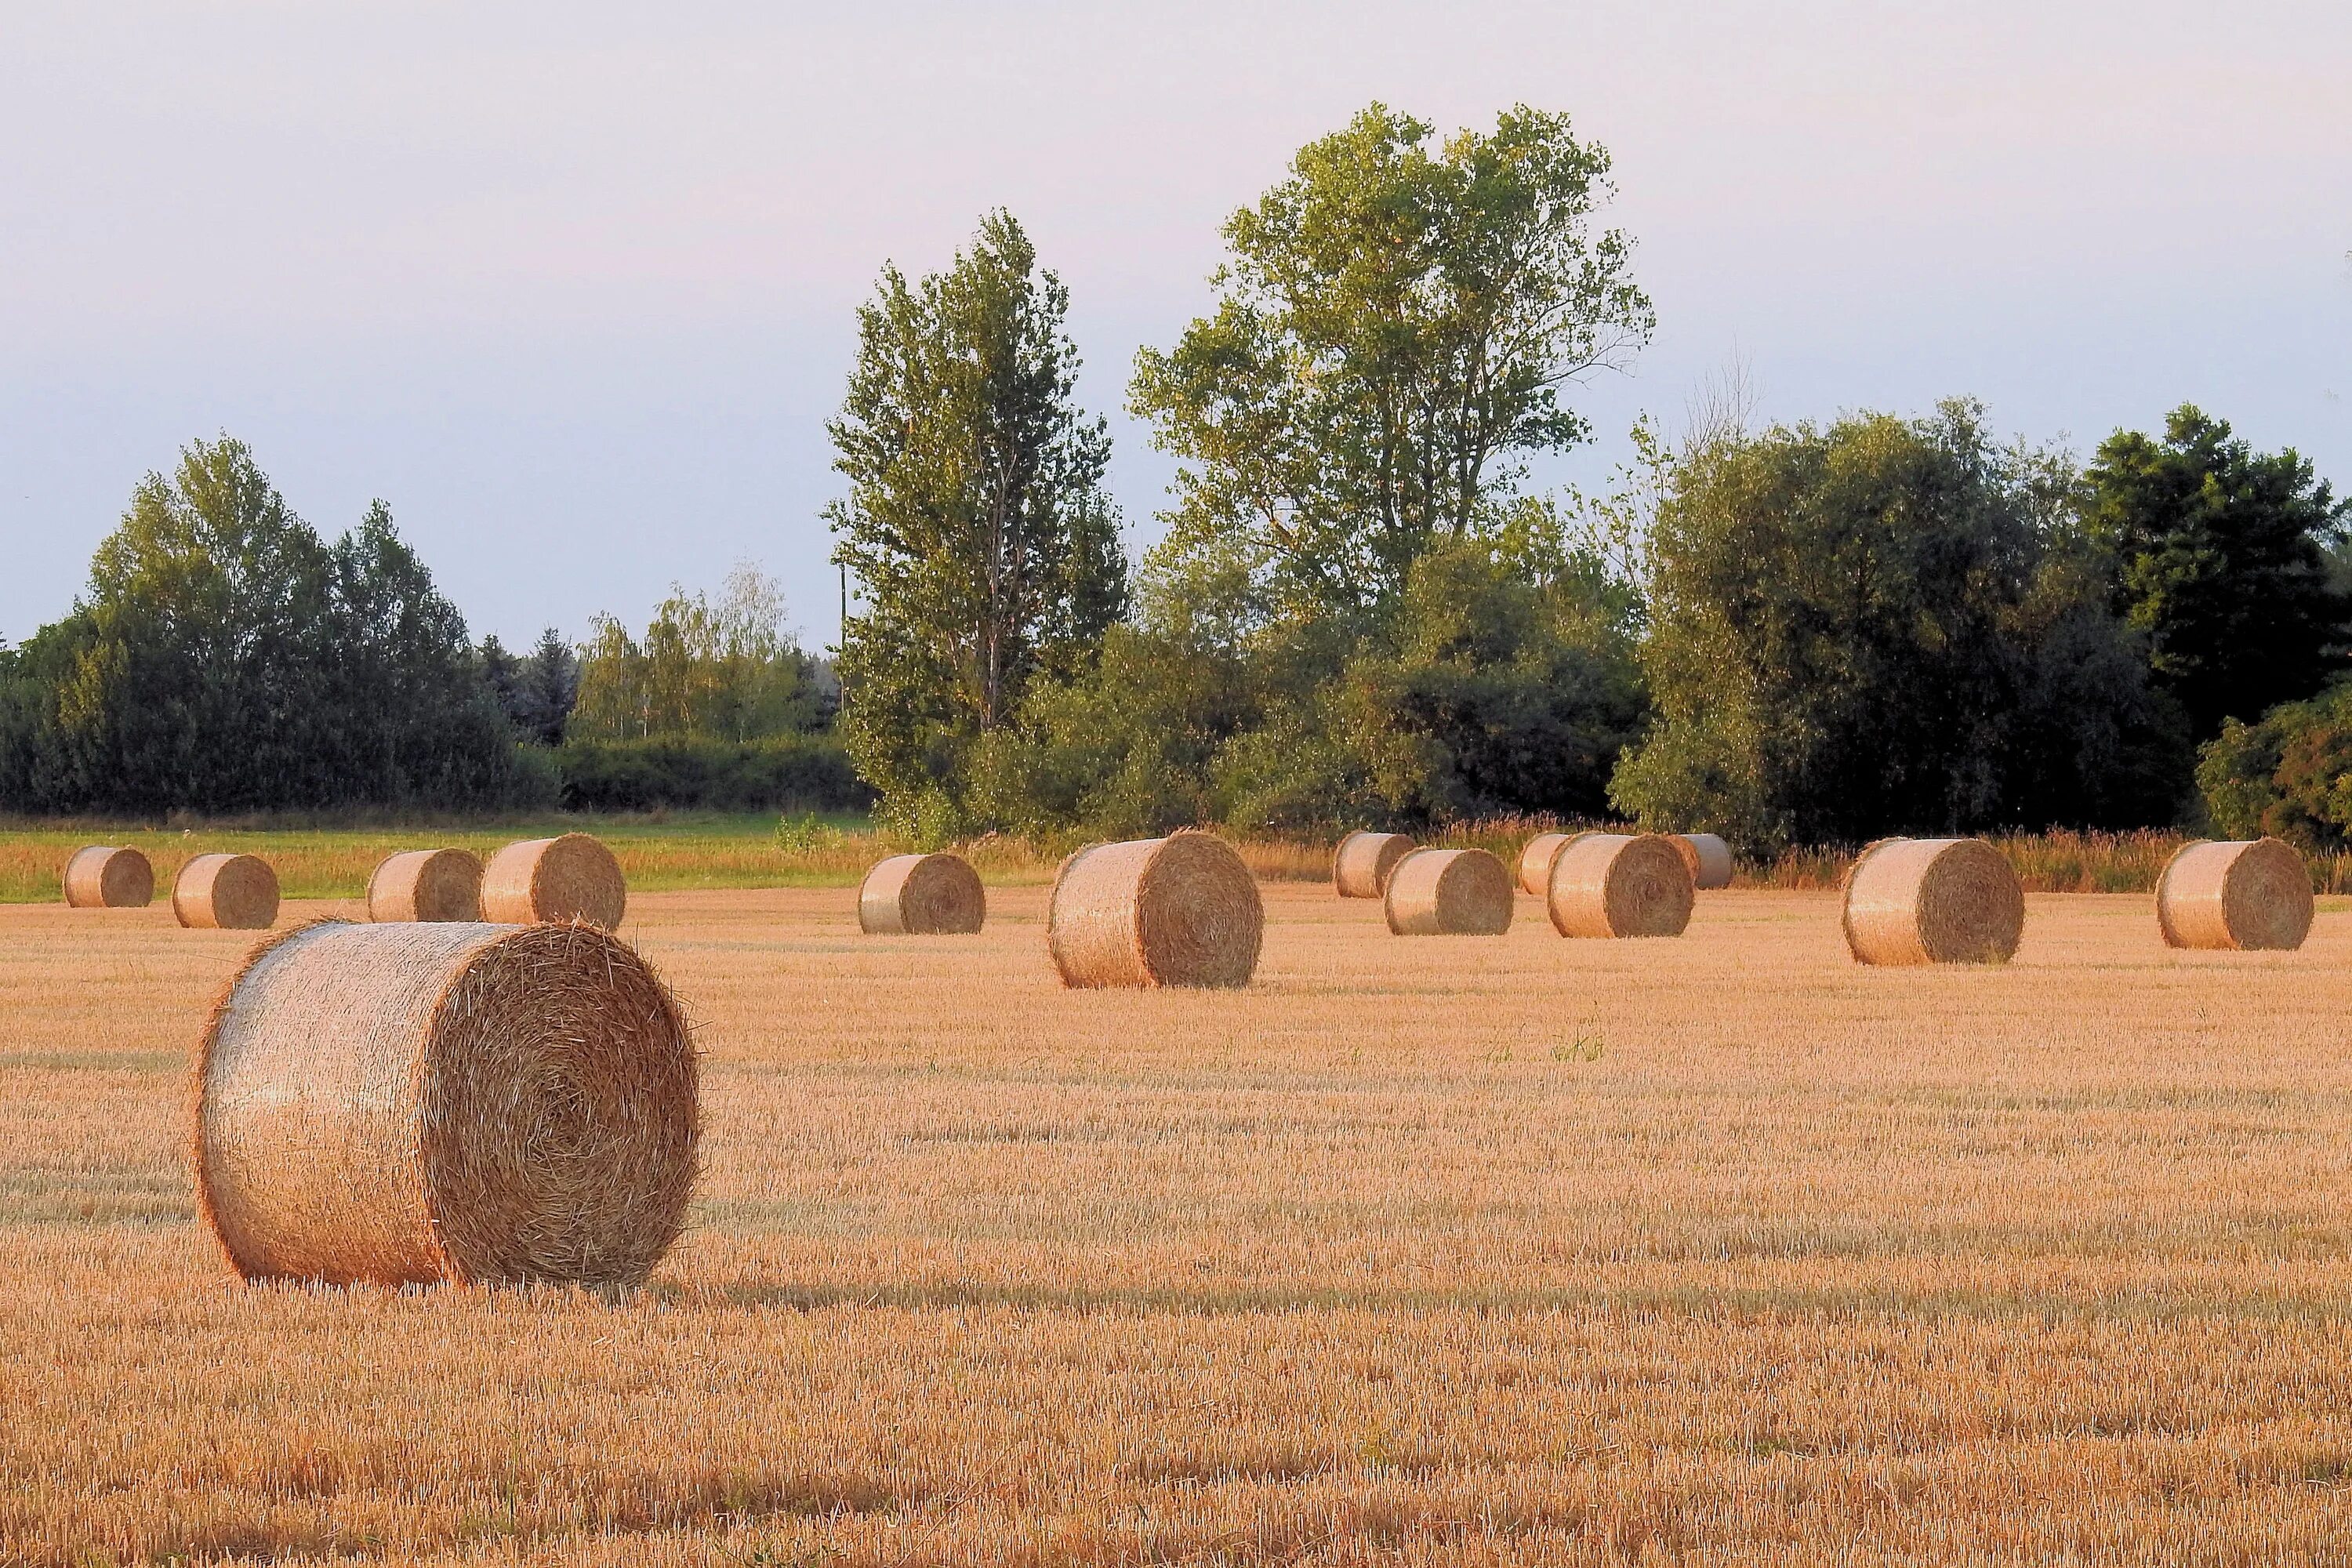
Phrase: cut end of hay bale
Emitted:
{"points": [[426, 885], [569, 878], [1449, 892], [2243, 894], [1362, 864], [1620, 885], [103, 877], [1708, 858], [1933, 900], [411, 1103], [225, 892], [921, 895], [1535, 860], [1179, 911]]}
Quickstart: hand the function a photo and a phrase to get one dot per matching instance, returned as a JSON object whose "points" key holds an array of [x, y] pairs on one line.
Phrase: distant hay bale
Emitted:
{"points": [[2245, 894], [921, 895], [1535, 860], [1179, 911], [1933, 900], [402, 1104], [572, 876], [103, 878], [1708, 858], [426, 885], [1620, 885], [1449, 892], [1360, 866], [225, 892]]}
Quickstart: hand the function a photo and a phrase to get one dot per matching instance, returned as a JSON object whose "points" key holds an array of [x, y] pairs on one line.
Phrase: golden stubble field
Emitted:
{"points": [[1428, 1250]]}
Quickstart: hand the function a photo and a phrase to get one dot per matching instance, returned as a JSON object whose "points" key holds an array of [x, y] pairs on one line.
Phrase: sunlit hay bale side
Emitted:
{"points": [[1179, 911], [1535, 860], [1933, 900], [921, 895], [408, 1103], [100, 876], [1360, 866], [225, 892], [572, 876], [2245, 894], [1708, 858], [1449, 892], [426, 885], [1619, 885]]}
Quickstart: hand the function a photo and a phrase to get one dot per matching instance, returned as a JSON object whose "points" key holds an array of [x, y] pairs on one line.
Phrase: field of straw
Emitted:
{"points": [[1446, 1250]]}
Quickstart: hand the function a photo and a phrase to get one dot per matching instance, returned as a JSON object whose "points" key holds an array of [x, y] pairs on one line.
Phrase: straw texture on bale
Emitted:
{"points": [[1535, 860], [572, 876], [1360, 866], [1708, 858], [921, 895], [103, 878], [411, 1103], [427, 885], [1620, 885], [1179, 911], [2248, 894], [1933, 900], [1449, 892], [225, 892]]}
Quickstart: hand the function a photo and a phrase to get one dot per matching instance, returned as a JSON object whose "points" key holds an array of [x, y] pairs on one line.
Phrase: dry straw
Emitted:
{"points": [[1933, 900], [574, 876], [103, 878], [427, 885], [1179, 911], [1708, 858], [1535, 860], [402, 1104], [1360, 866], [1449, 892], [2246, 894], [225, 892], [921, 895], [1619, 884]]}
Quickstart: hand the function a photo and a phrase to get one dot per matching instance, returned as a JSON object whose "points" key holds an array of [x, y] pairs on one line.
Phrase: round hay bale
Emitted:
{"points": [[1535, 860], [1708, 858], [225, 892], [1179, 911], [921, 895], [426, 885], [402, 1104], [1449, 892], [103, 878], [1933, 900], [2245, 894], [1619, 884], [1360, 866], [572, 876]]}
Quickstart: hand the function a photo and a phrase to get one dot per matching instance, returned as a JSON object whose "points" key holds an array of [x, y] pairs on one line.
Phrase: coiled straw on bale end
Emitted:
{"points": [[1179, 911], [2245, 894], [408, 1103], [572, 876], [427, 885], [921, 895], [1535, 860], [1361, 865], [1449, 892], [1933, 900], [225, 892], [1708, 858], [1620, 885], [100, 876]]}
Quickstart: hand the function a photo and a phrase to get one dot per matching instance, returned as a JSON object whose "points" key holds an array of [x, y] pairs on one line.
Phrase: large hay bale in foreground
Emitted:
{"points": [[1933, 900], [572, 876], [1708, 858], [921, 895], [1449, 892], [101, 877], [1535, 860], [407, 1103], [225, 892], [1179, 911], [1360, 866], [2242, 894], [1619, 885], [426, 885]]}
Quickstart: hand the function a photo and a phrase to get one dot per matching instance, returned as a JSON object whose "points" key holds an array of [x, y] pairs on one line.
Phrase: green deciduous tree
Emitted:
{"points": [[723, 671]]}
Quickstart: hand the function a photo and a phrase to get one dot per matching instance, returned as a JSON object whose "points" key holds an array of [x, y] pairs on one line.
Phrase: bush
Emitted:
{"points": [[796, 773], [2288, 774]]}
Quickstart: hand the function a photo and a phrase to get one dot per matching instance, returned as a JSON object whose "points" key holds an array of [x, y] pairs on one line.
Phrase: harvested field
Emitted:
{"points": [[1516, 1249]]}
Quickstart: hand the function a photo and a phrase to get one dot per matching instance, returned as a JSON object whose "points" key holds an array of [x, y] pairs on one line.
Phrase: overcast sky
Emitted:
{"points": [[571, 286]]}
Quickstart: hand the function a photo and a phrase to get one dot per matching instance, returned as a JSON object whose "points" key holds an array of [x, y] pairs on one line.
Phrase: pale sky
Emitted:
{"points": [[571, 286]]}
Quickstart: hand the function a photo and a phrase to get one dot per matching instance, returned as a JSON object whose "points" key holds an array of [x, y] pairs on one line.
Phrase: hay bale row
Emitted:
{"points": [[430, 885], [1933, 900], [1362, 863], [1449, 892], [2245, 895], [551, 880], [103, 877], [1619, 885], [1179, 911], [225, 892], [921, 895]]}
